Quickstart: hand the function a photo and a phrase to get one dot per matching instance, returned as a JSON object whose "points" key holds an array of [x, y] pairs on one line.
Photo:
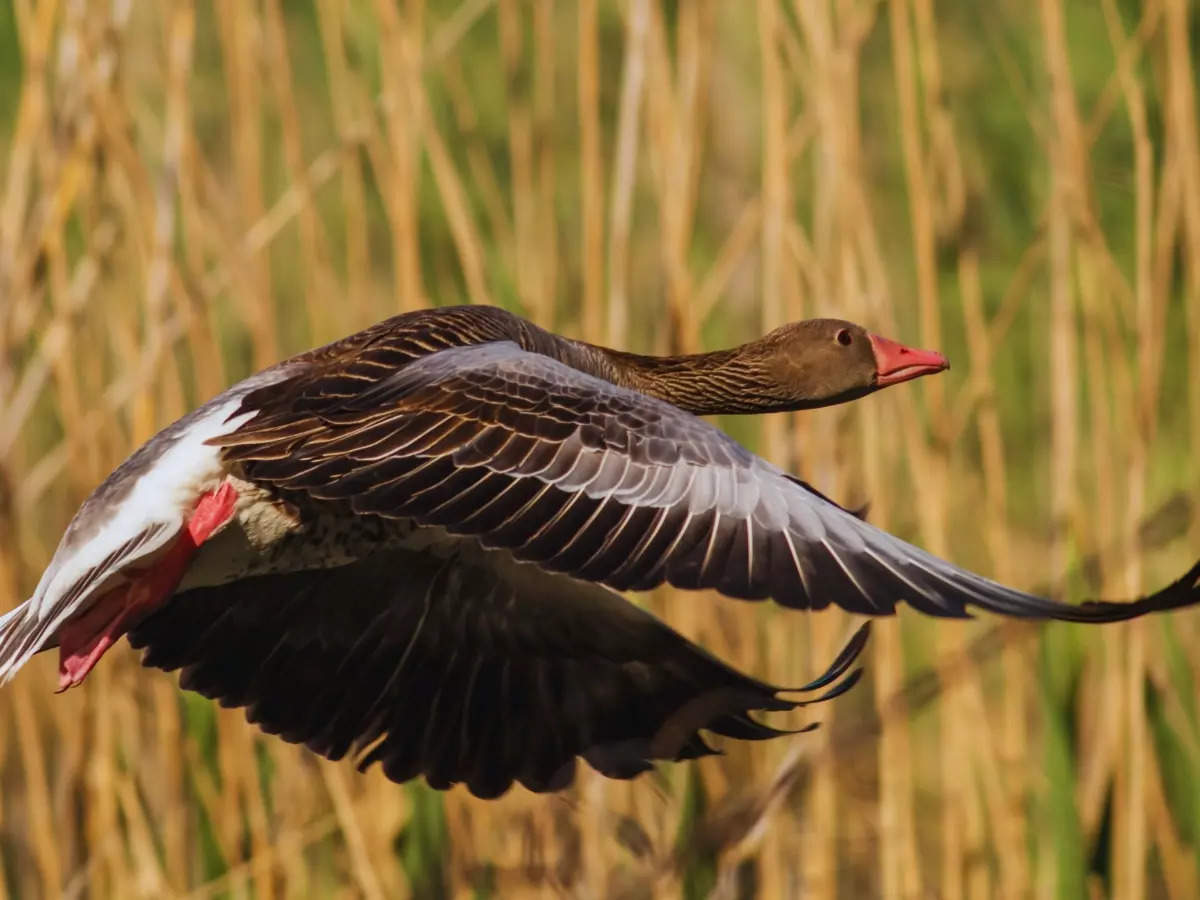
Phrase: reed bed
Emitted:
{"points": [[190, 190]]}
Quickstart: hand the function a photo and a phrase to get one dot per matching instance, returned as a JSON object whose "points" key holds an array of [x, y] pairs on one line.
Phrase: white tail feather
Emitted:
{"points": [[9, 622]]}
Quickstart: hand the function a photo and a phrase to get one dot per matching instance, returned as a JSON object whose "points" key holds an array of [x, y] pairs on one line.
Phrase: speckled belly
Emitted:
{"points": [[269, 536]]}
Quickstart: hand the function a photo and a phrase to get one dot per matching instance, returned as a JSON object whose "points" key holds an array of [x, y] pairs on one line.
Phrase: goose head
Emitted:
{"points": [[802, 365], [820, 362]]}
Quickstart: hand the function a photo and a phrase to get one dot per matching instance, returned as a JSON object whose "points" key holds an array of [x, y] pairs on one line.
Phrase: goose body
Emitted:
{"points": [[407, 544]]}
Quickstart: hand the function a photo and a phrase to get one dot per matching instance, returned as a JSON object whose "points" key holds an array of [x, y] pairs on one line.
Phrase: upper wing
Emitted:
{"points": [[470, 668], [609, 485]]}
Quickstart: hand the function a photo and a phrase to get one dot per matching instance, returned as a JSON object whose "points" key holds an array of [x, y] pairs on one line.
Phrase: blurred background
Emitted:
{"points": [[193, 189]]}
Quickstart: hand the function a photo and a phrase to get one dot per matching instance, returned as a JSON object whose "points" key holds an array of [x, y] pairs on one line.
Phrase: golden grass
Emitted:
{"points": [[189, 191]]}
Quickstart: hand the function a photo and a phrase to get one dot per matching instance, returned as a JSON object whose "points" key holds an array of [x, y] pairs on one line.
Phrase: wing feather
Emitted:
{"points": [[566, 467], [469, 668]]}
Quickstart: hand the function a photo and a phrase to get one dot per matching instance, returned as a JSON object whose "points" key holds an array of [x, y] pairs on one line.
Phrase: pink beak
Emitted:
{"points": [[895, 363]]}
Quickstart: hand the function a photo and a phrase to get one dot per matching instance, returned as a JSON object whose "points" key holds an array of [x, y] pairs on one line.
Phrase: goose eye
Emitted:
{"points": [[843, 337]]}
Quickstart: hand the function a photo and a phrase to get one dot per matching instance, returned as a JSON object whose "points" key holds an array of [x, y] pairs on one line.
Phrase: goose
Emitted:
{"points": [[409, 544]]}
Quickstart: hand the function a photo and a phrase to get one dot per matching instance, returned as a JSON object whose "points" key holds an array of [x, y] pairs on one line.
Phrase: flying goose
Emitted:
{"points": [[407, 544]]}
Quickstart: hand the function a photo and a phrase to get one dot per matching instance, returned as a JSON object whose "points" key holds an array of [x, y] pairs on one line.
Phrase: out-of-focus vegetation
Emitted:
{"points": [[191, 190]]}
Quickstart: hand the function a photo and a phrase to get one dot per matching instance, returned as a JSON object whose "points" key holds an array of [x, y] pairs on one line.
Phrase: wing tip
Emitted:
{"points": [[1179, 594], [841, 664]]}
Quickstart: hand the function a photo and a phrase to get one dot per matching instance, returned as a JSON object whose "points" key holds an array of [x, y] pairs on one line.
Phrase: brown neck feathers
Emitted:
{"points": [[714, 383]]}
